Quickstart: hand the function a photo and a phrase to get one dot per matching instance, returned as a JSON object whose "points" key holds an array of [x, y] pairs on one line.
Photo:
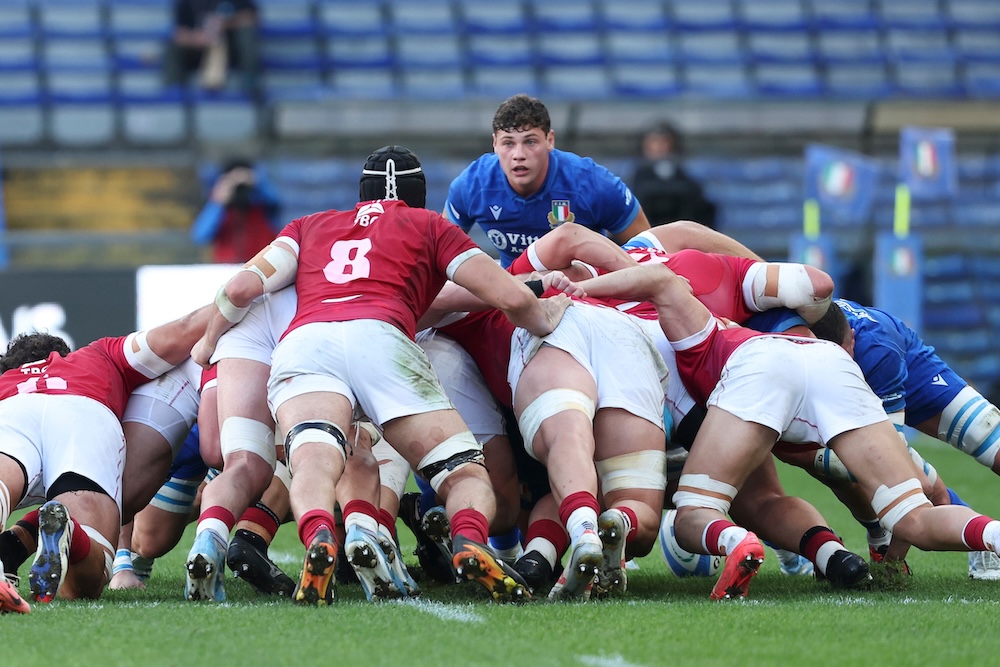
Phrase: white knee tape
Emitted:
{"points": [[456, 452], [281, 472], [638, 470], [777, 284], [891, 505], [241, 434], [276, 267], [703, 491], [551, 403], [393, 469], [828, 464], [320, 430], [4, 505], [142, 358], [109, 550], [971, 424], [923, 465]]}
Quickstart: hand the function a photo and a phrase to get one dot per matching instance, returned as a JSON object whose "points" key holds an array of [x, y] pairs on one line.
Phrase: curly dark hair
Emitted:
{"points": [[521, 112], [29, 347], [833, 326]]}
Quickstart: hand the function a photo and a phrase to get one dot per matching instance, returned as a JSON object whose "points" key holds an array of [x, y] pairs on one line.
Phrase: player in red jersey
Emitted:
{"points": [[363, 278], [759, 387], [61, 440]]}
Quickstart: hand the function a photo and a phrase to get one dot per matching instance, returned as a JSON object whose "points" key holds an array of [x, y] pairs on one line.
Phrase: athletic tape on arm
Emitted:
{"points": [[142, 358]]}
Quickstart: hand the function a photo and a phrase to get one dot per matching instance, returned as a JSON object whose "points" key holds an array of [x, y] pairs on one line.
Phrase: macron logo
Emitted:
{"points": [[940, 381], [495, 210]]}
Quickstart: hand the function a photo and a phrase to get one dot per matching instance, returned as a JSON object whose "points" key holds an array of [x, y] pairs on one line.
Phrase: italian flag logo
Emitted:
{"points": [[926, 161], [838, 179]]}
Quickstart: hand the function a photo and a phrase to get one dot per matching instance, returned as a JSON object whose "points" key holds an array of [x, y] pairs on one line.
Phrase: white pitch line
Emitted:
{"points": [[446, 612], [615, 660]]}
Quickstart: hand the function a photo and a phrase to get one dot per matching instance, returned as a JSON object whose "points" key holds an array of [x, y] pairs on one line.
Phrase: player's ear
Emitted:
{"points": [[550, 139]]}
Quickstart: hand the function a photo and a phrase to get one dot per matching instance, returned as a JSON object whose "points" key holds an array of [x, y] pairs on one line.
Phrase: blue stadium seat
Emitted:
{"points": [[954, 316], [293, 83], [716, 46], [503, 81], [154, 120], [426, 51], [949, 292], [626, 15], [576, 82], [349, 17], [371, 52], [982, 214], [512, 50], [842, 15], [564, 15], [287, 17], [286, 172], [76, 124], [767, 46], [786, 217], [772, 15], [927, 79], [433, 17], [704, 15], [909, 13], [16, 19], [79, 85], [139, 18], [644, 80], [788, 80], [945, 267], [639, 46], [71, 18], [982, 80], [973, 14], [570, 48], [19, 85], [727, 80], [918, 44], [986, 267], [438, 83], [136, 51], [850, 46], [978, 45], [488, 16], [767, 170], [223, 117], [857, 81], [17, 53], [290, 52], [372, 83], [75, 52]]}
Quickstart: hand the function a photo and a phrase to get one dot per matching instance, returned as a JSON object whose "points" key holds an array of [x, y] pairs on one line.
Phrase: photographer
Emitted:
{"points": [[241, 215]]}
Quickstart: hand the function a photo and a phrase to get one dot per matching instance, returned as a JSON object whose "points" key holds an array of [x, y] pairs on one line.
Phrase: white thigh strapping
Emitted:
{"points": [[169, 404], [256, 336], [393, 469]]}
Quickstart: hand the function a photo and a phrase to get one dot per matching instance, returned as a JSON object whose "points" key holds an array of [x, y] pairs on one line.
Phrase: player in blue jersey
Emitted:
{"points": [[527, 187], [920, 390]]}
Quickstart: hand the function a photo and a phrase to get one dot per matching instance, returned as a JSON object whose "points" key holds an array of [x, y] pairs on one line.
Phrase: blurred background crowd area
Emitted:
{"points": [[112, 128]]}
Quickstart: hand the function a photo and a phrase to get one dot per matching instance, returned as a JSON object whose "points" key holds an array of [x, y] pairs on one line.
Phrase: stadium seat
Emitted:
{"points": [[80, 85], [136, 52], [438, 83], [981, 80], [154, 120], [564, 16], [716, 46], [949, 292], [973, 14], [17, 53], [489, 16], [628, 15], [716, 80], [371, 52], [365, 83], [290, 52], [224, 118], [16, 19], [286, 17], [767, 46], [918, 44], [423, 51], [431, 17], [772, 15], [909, 13], [569, 48], [139, 18], [75, 52], [953, 316], [292, 83], [22, 122], [716, 15], [19, 85], [842, 15], [349, 17], [77, 124], [71, 18], [978, 45], [639, 47], [576, 82], [927, 79], [850, 46], [499, 82], [788, 80], [511, 50], [857, 81], [982, 214]]}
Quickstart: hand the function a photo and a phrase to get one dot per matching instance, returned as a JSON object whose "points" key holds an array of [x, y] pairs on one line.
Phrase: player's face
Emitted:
{"points": [[524, 157]]}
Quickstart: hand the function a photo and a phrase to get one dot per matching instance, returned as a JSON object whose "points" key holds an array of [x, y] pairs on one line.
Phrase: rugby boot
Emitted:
{"points": [[434, 563], [10, 600], [740, 567], [368, 560], [205, 567], [397, 566], [251, 564], [846, 570], [612, 577], [536, 572], [792, 564], [477, 562], [316, 585], [984, 565], [578, 577], [55, 530]]}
